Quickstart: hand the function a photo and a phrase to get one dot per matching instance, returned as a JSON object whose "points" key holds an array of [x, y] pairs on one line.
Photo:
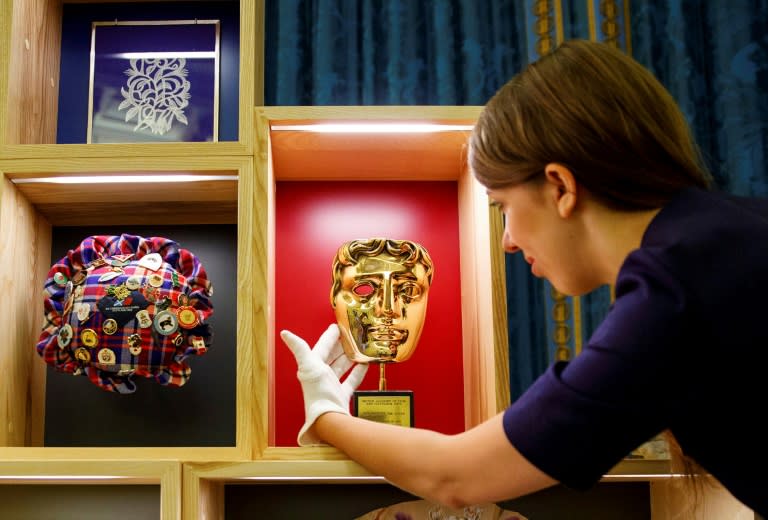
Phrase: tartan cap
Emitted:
{"points": [[125, 306]]}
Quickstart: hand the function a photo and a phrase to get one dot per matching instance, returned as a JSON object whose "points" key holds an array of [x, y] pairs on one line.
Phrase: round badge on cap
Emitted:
{"points": [[106, 357], [60, 279], [110, 326], [65, 335], [83, 310], [134, 344], [82, 355], [187, 318], [144, 319], [155, 280], [133, 282], [166, 323], [89, 338]]}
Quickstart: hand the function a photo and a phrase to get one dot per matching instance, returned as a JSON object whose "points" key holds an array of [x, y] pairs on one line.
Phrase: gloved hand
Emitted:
{"points": [[320, 369]]}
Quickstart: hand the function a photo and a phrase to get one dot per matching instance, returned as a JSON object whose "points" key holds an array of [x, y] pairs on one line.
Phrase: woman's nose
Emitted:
{"points": [[507, 243]]}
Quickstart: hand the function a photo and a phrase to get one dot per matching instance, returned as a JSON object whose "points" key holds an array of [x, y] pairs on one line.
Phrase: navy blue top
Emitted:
{"points": [[684, 347]]}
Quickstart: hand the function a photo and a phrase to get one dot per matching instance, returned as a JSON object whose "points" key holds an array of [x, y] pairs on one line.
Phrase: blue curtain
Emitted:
{"points": [[391, 52], [713, 56]]}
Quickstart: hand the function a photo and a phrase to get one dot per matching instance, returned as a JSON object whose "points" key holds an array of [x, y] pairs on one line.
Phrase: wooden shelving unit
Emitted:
{"points": [[241, 175]]}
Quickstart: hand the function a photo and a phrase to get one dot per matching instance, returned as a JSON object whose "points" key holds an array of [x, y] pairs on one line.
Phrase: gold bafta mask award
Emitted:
{"points": [[379, 295]]}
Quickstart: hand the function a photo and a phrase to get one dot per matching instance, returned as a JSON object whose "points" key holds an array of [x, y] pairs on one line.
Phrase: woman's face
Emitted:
{"points": [[553, 244]]}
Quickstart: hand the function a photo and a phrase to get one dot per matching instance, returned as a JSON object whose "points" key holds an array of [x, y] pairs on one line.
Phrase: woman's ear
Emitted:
{"points": [[564, 188]]}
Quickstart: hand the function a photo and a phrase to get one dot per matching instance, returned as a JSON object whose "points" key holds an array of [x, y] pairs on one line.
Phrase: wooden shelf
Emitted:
{"points": [[239, 189], [163, 473], [28, 213], [30, 57], [298, 155]]}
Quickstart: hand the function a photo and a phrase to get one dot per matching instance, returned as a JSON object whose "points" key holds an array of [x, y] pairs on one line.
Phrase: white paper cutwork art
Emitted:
{"points": [[154, 81], [156, 94]]}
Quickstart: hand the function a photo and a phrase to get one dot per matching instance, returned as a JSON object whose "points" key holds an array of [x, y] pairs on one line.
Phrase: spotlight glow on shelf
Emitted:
{"points": [[372, 128], [117, 179]]}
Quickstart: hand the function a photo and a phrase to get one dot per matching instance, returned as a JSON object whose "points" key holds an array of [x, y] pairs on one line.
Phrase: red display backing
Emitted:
{"points": [[312, 220]]}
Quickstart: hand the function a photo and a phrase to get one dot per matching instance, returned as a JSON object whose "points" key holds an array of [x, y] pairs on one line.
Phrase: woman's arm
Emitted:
{"points": [[473, 467]]}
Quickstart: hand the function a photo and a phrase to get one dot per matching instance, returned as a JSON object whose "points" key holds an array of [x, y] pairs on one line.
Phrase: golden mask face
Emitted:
{"points": [[379, 294]]}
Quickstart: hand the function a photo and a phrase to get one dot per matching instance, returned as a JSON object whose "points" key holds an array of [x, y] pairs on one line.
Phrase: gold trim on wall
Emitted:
{"points": [[500, 320], [609, 27], [559, 31], [578, 340], [543, 27], [627, 28]]}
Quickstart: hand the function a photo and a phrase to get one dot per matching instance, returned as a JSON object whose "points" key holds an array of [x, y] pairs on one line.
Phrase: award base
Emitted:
{"points": [[385, 406]]}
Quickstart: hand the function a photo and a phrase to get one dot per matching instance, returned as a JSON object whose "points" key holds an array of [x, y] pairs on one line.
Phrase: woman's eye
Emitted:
{"points": [[363, 289]]}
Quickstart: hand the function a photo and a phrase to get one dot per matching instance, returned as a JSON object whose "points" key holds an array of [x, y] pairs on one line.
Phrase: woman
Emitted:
{"points": [[600, 182]]}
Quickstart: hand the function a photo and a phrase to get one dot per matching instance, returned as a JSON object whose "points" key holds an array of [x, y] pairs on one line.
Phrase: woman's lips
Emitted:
{"points": [[532, 261]]}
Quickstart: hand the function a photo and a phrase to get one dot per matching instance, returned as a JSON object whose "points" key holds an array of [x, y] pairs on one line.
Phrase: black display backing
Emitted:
{"points": [[606, 501], [79, 502], [200, 413]]}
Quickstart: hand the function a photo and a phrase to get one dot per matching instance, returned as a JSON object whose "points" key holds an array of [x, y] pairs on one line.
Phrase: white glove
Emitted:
{"points": [[319, 372]]}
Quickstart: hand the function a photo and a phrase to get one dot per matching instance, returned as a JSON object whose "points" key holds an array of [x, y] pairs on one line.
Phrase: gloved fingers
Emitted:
{"points": [[355, 377], [337, 350], [340, 365], [326, 343], [298, 346]]}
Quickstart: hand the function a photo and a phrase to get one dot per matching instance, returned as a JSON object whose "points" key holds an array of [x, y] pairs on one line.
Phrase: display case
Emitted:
{"points": [[36, 37], [358, 180], [276, 166], [205, 485], [343, 489], [42, 198], [69, 489]]}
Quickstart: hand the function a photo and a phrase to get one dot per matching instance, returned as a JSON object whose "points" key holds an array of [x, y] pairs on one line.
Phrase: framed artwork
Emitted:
{"points": [[154, 81]]}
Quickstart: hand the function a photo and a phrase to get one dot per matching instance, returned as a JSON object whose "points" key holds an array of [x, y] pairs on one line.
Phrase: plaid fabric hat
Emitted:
{"points": [[122, 306]]}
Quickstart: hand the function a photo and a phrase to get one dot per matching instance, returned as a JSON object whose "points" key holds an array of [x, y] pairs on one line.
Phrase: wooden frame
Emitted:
{"points": [[672, 497], [26, 214], [204, 483], [166, 474], [306, 155], [133, 117], [30, 35], [30, 39]]}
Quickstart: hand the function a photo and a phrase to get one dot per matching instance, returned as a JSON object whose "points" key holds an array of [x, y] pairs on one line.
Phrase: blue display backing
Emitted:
{"points": [[72, 125]]}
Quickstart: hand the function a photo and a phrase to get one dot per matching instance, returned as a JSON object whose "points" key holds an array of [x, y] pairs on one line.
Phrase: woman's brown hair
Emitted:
{"points": [[592, 108]]}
